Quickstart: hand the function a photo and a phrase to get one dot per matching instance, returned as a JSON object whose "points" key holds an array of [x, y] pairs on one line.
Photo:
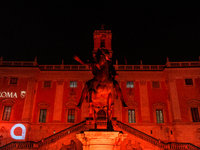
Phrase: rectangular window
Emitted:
{"points": [[47, 84], [129, 84], [71, 115], [155, 84], [13, 80], [195, 115], [73, 84], [188, 82], [159, 116], [6, 113], [43, 114], [131, 116]]}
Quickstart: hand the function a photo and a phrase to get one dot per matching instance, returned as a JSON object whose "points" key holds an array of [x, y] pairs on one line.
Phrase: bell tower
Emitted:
{"points": [[102, 39]]}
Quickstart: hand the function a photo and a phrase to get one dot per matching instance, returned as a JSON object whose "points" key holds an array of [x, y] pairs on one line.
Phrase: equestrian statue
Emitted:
{"points": [[103, 89]]}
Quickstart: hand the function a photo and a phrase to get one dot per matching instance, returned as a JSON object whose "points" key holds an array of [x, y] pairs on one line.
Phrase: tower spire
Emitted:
{"points": [[102, 39]]}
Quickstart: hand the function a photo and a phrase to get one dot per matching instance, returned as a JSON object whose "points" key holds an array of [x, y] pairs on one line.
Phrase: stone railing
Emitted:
{"points": [[86, 67], [9, 146], [183, 64], [177, 146], [18, 145], [139, 67], [117, 67], [18, 63], [46, 141], [156, 142], [64, 67], [61, 134]]}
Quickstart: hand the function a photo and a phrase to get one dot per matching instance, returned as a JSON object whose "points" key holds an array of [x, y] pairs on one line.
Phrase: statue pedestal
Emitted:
{"points": [[101, 140]]}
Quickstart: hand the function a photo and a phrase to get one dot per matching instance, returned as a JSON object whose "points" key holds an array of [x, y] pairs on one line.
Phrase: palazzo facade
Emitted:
{"points": [[38, 103]]}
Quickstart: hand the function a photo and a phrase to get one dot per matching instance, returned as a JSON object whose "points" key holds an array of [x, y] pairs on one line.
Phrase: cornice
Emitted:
{"points": [[182, 70], [140, 75], [86, 75], [43, 104]]}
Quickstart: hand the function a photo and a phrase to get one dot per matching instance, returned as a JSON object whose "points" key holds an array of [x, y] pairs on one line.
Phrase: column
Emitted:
{"points": [[174, 101], [144, 101], [58, 101], [29, 99]]}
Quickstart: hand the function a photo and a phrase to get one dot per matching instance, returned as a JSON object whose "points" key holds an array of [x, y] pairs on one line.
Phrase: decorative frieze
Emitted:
{"points": [[181, 72], [131, 95], [3, 130], [43, 105], [72, 95], [17, 71]]}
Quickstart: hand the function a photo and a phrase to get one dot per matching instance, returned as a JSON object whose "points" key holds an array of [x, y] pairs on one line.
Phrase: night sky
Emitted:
{"points": [[142, 30]]}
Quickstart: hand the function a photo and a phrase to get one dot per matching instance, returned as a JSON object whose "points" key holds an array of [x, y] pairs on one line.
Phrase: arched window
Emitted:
{"points": [[7, 105], [43, 112], [6, 113], [131, 116], [102, 44], [132, 112], [159, 112], [71, 112], [194, 110]]}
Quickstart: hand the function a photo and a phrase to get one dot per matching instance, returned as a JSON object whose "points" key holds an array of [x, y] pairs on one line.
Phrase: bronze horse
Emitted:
{"points": [[103, 88]]}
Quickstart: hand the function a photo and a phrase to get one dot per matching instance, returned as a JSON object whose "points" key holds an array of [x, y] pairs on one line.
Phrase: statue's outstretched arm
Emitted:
{"points": [[79, 60]]}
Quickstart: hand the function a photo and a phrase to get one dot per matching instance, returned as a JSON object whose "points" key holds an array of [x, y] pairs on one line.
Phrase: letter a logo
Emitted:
{"points": [[22, 136]]}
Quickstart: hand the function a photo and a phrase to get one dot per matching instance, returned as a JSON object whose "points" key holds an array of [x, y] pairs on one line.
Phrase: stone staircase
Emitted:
{"points": [[55, 141], [153, 142], [30, 145]]}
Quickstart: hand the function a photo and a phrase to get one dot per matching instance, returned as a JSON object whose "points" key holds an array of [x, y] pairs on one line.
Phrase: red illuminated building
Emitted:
{"points": [[163, 103]]}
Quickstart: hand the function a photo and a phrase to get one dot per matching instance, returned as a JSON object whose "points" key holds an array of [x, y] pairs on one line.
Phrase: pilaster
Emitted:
{"points": [[174, 101], [29, 99], [58, 101], [144, 101]]}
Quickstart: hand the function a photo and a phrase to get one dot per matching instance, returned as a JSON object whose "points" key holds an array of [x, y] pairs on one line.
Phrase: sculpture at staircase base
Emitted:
{"points": [[101, 140]]}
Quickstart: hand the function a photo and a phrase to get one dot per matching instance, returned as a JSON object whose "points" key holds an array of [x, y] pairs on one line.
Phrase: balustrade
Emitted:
{"points": [[18, 63], [85, 67], [61, 134], [156, 142], [182, 64], [46, 141]]}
